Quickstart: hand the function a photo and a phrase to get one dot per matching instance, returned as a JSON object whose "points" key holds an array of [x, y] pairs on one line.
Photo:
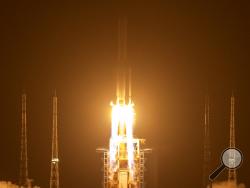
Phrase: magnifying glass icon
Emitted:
{"points": [[231, 158]]}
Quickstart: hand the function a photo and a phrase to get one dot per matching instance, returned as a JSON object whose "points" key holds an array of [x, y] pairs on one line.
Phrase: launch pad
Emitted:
{"points": [[124, 161]]}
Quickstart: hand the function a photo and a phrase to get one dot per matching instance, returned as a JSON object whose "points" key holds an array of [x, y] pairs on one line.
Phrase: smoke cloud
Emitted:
{"points": [[8, 184], [227, 184]]}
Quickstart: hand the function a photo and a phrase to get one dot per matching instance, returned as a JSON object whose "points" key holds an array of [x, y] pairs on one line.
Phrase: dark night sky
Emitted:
{"points": [[179, 52]]}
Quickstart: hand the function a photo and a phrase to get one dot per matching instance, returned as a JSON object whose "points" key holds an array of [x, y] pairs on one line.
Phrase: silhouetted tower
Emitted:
{"points": [[207, 149], [232, 172], [23, 173], [54, 173]]}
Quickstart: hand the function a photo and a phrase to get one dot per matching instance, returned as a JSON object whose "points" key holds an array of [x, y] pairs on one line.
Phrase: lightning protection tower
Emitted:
{"points": [[207, 149], [23, 171], [232, 172], [54, 172]]}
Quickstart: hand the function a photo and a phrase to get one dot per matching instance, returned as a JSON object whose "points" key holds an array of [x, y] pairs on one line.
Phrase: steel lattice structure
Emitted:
{"points": [[54, 172], [23, 173], [232, 176]]}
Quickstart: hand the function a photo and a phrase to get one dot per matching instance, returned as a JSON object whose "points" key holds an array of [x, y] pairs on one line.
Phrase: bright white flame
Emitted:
{"points": [[122, 131], [54, 160]]}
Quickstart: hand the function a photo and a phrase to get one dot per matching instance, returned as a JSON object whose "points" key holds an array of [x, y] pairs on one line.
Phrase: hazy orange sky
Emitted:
{"points": [[179, 52]]}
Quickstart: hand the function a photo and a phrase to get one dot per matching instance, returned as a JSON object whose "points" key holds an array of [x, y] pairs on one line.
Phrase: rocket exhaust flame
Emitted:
{"points": [[124, 159], [122, 132]]}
